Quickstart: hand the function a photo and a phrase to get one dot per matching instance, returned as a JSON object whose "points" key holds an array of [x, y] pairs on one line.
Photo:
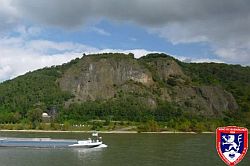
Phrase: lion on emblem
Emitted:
{"points": [[231, 142]]}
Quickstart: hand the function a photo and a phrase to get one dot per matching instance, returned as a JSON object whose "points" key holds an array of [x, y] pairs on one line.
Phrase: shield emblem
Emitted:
{"points": [[231, 143]]}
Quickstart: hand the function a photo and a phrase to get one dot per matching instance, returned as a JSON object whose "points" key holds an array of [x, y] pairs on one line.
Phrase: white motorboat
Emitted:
{"points": [[90, 143]]}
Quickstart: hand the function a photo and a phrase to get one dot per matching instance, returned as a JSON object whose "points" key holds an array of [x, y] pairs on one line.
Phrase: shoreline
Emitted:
{"points": [[105, 132]]}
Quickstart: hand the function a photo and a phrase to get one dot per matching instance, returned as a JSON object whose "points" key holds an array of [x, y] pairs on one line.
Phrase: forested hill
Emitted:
{"points": [[119, 87]]}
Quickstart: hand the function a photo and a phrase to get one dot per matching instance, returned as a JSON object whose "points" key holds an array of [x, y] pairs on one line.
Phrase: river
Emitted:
{"points": [[123, 150]]}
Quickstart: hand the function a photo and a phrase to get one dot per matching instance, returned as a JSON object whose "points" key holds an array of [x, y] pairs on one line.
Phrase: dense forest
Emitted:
{"points": [[25, 98]]}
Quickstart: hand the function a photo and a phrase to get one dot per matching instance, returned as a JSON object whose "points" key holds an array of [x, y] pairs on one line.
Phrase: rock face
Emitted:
{"points": [[205, 100], [102, 77], [97, 78]]}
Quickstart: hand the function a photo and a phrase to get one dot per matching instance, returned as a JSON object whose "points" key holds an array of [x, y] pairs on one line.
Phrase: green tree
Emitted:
{"points": [[35, 116]]}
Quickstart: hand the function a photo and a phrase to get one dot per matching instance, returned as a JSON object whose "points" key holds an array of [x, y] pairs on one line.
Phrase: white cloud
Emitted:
{"points": [[199, 60], [19, 56], [133, 39], [50, 47], [137, 52], [100, 31], [228, 41], [177, 33]]}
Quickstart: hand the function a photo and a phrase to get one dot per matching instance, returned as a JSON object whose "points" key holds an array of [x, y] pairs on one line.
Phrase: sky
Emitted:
{"points": [[40, 33]]}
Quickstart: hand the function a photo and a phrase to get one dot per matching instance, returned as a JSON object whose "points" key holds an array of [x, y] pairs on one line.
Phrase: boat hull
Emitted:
{"points": [[47, 143]]}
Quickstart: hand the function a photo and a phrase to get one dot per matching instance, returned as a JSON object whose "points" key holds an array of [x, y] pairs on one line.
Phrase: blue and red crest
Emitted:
{"points": [[231, 143]]}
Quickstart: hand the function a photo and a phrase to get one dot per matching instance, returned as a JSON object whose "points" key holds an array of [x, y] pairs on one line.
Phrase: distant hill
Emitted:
{"points": [[118, 86]]}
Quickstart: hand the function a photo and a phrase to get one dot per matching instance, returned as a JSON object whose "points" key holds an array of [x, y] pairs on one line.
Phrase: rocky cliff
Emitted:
{"points": [[154, 79]]}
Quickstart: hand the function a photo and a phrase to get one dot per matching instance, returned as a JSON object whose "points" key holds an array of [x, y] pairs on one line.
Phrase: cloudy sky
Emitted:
{"points": [[38, 33]]}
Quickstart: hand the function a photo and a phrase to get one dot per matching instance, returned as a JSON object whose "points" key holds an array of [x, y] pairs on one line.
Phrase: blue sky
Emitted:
{"points": [[35, 34]]}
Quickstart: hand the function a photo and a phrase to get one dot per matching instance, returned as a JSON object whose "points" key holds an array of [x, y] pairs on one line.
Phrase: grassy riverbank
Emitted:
{"points": [[107, 132], [107, 127]]}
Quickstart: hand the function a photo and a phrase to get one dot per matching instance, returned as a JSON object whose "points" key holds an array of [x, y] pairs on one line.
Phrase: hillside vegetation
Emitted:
{"points": [[156, 90]]}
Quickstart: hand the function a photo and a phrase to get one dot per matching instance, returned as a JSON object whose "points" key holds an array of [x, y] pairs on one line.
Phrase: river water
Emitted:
{"points": [[123, 150]]}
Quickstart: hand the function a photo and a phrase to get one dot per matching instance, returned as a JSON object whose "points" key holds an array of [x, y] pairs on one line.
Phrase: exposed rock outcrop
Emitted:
{"points": [[97, 78], [102, 77]]}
